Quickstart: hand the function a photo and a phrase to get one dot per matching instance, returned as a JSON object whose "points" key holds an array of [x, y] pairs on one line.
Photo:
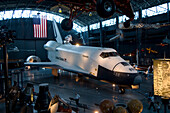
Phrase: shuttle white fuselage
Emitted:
{"points": [[100, 63]]}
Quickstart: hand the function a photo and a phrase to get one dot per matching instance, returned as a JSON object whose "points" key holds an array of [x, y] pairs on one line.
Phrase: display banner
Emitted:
{"points": [[161, 77]]}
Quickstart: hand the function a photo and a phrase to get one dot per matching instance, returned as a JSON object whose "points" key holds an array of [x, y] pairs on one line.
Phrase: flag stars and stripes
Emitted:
{"points": [[40, 26]]}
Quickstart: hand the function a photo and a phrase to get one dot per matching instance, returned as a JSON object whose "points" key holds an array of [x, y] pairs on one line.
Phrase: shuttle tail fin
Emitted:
{"points": [[57, 32]]}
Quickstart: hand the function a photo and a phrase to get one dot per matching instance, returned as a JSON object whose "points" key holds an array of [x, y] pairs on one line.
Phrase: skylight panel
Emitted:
{"points": [[33, 13], [26, 13], [17, 14], [1, 15], [8, 14]]}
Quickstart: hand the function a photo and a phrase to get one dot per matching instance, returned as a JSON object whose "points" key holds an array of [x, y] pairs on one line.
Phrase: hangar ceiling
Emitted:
{"points": [[83, 20]]}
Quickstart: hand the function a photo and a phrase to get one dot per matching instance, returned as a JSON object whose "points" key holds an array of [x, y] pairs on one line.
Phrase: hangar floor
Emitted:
{"points": [[91, 91]]}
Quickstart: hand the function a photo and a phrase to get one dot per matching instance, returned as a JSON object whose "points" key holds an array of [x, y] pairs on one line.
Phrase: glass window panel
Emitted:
{"points": [[163, 6], [91, 27], [136, 15], [1, 15], [124, 18], [144, 13], [103, 24], [162, 9], [8, 14], [33, 13], [95, 26], [114, 21], [43, 13], [106, 23], [111, 22], [151, 11], [98, 25], [25, 13], [77, 27], [17, 14], [84, 29], [120, 19], [60, 19], [51, 16]]}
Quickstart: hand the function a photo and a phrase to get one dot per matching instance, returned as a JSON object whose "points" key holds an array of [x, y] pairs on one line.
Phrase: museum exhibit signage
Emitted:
{"points": [[161, 78]]}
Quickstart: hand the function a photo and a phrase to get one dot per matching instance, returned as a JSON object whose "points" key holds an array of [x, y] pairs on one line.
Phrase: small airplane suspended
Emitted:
{"points": [[166, 40], [119, 34], [99, 63], [151, 51], [104, 8]]}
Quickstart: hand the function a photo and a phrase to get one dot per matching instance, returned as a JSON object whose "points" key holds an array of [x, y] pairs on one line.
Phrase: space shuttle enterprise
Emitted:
{"points": [[99, 63]]}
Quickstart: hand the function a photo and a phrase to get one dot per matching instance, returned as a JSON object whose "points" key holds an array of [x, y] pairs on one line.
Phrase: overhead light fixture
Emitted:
{"points": [[60, 10], [90, 14]]}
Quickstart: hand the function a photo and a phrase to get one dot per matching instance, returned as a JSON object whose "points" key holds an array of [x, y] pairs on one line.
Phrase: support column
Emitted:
{"points": [[35, 47], [168, 29], [117, 40], [5, 55], [88, 34], [21, 78], [18, 78], [168, 17], [138, 39], [101, 35], [88, 31]]}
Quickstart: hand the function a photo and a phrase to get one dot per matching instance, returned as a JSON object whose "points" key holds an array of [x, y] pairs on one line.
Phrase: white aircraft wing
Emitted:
{"points": [[59, 65]]}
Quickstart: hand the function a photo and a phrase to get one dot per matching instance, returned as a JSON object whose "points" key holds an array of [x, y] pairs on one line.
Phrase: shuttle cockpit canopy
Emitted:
{"points": [[125, 63], [108, 54]]}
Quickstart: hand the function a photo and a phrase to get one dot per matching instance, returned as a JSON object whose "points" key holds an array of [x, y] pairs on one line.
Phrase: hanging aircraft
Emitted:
{"points": [[166, 40], [16, 49], [119, 34], [142, 25], [99, 63], [104, 8]]}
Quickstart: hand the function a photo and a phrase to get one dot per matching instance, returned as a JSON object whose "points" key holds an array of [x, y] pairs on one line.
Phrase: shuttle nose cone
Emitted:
{"points": [[137, 80]]}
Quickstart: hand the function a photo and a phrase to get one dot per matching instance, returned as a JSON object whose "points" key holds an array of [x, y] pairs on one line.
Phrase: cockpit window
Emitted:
{"points": [[125, 64], [108, 54]]}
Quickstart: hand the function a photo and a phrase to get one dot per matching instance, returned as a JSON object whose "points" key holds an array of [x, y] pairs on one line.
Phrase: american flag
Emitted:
{"points": [[40, 26]]}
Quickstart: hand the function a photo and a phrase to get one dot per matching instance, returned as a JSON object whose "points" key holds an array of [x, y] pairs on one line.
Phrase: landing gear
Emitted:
{"points": [[67, 24], [126, 24], [121, 90], [105, 8]]}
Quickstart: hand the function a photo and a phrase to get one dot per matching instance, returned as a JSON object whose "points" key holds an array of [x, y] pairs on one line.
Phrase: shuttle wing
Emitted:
{"points": [[59, 65]]}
